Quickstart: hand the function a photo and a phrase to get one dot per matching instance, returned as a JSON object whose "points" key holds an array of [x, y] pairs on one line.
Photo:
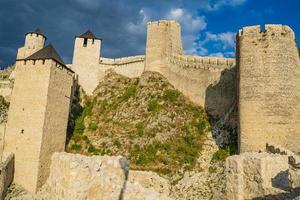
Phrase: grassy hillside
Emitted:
{"points": [[144, 119]]}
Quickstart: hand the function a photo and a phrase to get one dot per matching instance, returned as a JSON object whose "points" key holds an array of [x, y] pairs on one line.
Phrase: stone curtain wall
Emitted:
{"points": [[132, 66], [269, 94], [207, 81]]}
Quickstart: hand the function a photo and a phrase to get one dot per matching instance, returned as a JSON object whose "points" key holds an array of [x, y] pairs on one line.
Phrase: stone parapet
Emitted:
{"points": [[199, 62], [122, 61]]}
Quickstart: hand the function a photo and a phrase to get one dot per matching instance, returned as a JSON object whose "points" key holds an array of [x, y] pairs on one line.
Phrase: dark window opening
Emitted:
{"points": [[43, 61], [93, 41], [85, 42], [22, 131]]}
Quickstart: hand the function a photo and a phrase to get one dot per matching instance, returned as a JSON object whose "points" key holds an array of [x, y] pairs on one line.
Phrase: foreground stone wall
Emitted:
{"points": [[256, 175], [75, 176], [269, 94]]}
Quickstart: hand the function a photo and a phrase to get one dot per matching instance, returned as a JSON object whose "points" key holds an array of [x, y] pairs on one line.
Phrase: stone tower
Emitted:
{"points": [[38, 115], [269, 88], [163, 40], [34, 41], [86, 57]]}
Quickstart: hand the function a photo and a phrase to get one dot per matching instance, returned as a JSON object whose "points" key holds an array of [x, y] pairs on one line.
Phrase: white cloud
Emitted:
{"points": [[226, 38], [213, 5], [223, 42], [191, 26], [140, 26], [218, 54]]}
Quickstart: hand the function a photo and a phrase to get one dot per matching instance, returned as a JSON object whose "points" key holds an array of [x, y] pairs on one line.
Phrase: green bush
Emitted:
{"points": [[76, 147], [91, 149], [170, 95], [129, 92], [142, 159], [79, 125], [201, 127], [153, 105], [221, 154]]}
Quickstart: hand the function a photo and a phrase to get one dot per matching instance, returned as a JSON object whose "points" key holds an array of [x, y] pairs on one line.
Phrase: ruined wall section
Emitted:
{"points": [[269, 94]]}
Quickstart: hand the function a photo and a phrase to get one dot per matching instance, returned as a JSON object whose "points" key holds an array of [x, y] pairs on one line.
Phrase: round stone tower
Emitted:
{"points": [[269, 88], [34, 41]]}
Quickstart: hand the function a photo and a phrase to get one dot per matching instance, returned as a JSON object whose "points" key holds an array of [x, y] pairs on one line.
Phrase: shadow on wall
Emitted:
{"points": [[288, 195], [220, 104]]}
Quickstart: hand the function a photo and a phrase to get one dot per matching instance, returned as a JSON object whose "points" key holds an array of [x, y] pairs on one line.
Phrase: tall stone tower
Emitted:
{"points": [[163, 40], [38, 115], [269, 88], [34, 41], [86, 58]]}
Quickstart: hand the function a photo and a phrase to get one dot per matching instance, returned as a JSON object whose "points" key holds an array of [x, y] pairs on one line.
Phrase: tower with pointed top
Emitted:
{"points": [[86, 57], [34, 41], [38, 115]]}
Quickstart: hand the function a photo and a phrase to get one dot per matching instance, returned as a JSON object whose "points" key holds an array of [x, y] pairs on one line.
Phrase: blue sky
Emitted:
{"points": [[208, 26]]}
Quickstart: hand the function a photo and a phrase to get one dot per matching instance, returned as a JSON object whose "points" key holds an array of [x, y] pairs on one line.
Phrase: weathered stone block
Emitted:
{"points": [[6, 172], [252, 175]]}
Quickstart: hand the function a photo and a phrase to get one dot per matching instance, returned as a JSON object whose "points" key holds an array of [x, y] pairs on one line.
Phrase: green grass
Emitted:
{"points": [[129, 92], [223, 153], [170, 95], [173, 153], [140, 129], [153, 105], [76, 147], [92, 126]]}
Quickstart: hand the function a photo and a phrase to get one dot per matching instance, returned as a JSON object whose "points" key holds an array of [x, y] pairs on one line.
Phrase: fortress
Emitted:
{"points": [[262, 83]]}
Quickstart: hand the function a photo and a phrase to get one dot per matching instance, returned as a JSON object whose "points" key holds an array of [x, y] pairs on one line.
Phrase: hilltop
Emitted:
{"points": [[155, 127]]}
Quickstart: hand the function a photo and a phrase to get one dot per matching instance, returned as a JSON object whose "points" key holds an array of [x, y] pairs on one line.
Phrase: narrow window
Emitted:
{"points": [[85, 42], [34, 62], [93, 41], [43, 61], [22, 131]]}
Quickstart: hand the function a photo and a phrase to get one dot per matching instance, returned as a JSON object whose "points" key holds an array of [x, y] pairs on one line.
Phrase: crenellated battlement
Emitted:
{"points": [[122, 61], [269, 29], [163, 22], [200, 62]]}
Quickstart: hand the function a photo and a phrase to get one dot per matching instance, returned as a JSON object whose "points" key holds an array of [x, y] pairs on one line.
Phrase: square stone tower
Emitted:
{"points": [[86, 59], [38, 115], [163, 40]]}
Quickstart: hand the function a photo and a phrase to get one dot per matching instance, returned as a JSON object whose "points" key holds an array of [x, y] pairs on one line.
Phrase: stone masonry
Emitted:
{"points": [[269, 94], [38, 115]]}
